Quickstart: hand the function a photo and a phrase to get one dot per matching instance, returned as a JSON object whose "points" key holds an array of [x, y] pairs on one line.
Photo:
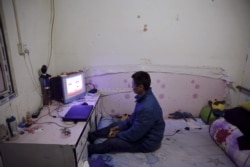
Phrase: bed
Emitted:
{"points": [[185, 148]]}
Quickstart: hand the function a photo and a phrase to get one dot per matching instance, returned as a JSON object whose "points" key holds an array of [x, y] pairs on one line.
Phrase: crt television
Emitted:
{"points": [[68, 88]]}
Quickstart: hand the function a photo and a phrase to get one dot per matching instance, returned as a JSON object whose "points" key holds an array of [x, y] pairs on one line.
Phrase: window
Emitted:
{"points": [[6, 83]]}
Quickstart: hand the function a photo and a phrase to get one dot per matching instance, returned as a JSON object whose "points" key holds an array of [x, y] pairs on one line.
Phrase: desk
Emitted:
{"points": [[47, 146]]}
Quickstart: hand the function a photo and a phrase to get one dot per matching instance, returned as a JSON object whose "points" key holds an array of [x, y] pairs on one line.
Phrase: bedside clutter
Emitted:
{"points": [[231, 133]]}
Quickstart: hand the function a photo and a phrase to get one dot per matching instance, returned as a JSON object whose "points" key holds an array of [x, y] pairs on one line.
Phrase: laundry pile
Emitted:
{"points": [[181, 115]]}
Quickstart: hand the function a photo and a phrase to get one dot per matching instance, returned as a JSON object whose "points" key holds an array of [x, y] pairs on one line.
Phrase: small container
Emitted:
{"points": [[46, 96], [12, 126], [45, 86], [28, 117]]}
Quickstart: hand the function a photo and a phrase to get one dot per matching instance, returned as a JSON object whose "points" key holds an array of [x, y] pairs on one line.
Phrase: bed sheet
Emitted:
{"points": [[186, 148]]}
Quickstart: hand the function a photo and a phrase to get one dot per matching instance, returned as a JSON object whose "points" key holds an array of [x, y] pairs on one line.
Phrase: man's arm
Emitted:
{"points": [[142, 123], [125, 124]]}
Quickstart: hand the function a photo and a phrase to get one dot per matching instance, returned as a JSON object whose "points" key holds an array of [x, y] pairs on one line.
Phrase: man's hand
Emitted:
{"points": [[115, 128], [113, 131]]}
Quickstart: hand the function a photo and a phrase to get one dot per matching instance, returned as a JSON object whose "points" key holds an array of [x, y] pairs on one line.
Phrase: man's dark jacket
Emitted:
{"points": [[146, 124]]}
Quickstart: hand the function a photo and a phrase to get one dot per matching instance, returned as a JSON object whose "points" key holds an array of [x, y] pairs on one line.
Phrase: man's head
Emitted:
{"points": [[141, 82]]}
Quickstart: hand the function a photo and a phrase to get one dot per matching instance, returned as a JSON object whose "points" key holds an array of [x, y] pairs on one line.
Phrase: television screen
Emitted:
{"points": [[73, 85], [67, 88]]}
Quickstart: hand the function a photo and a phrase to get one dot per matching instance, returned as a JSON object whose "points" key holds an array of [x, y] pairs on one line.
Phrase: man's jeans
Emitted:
{"points": [[111, 145]]}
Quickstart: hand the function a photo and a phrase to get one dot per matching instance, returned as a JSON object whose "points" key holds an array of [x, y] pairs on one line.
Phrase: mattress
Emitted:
{"points": [[181, 146]]}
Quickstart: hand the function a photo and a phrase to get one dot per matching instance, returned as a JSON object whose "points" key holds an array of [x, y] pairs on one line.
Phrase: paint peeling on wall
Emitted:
{"points": [[146, 61], [145, 28]]}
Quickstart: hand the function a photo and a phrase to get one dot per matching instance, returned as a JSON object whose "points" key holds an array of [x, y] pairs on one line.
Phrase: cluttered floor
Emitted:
{"points": [[186, 144]]}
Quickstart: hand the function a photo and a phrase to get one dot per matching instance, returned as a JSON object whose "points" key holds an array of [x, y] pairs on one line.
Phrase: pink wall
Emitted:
{"points": [[174, 91]]}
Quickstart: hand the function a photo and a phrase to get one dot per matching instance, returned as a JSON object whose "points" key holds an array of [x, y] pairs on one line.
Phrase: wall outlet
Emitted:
{"points": [[22, 49]]}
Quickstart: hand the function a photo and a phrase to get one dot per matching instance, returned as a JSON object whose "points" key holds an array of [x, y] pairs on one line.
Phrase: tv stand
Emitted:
{"points": [[48, 145]]}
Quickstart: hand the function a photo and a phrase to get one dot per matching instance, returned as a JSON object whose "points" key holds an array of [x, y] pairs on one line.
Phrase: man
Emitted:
{"points": [[141, 132]]}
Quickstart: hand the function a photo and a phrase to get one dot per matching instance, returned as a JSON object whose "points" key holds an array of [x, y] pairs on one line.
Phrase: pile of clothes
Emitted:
{"points": [[181, 115]]}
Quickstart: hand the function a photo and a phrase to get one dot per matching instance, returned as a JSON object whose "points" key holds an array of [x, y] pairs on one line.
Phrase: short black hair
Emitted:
{"points": [[142, 78]]}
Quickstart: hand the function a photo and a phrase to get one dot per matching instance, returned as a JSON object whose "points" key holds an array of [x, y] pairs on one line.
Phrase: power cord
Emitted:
{"points": [[93, 89], [50, 122], [177, 131]]}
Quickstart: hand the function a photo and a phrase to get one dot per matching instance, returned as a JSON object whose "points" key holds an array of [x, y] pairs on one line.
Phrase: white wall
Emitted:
{"points": [[192, 33], [94, 32], [212, 33], [34, 19]]}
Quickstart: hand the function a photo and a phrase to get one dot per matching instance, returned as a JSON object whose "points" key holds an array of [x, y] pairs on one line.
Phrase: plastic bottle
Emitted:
{"points": [[44, 80], [12, 126], [45, 86], [28, 119]]}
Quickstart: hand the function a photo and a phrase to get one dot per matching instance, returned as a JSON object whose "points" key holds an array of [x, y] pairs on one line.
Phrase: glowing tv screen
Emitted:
{"points": [[67, 88]]}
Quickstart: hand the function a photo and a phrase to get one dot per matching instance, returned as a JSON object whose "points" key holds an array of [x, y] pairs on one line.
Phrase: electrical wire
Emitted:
{"points": [[16, 20], [116, 93], [51, 122], [101, 107], [49, 113], [32, 77], [93, 85], [30, 68], [52, 19], [177, 131], [31, 74]]}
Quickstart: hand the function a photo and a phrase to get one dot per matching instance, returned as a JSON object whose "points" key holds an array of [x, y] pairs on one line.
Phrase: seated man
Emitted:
{"points": [[141, 132]]}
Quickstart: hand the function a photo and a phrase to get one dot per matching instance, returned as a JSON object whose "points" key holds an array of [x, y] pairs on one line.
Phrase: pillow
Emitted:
{"points": [[245, 105], [239, 117]]}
